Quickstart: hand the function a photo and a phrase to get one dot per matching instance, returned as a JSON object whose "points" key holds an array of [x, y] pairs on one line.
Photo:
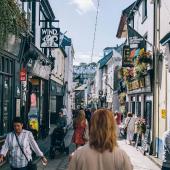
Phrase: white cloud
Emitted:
{"points": [[85, 58], [83, 6]]}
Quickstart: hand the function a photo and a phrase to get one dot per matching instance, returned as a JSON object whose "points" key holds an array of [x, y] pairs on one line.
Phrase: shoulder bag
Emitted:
{"points": [[31, 165], [125, 129]]}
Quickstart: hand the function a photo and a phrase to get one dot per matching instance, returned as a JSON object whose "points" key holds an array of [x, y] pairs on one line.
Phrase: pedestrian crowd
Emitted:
{"points": [[95, 136]]}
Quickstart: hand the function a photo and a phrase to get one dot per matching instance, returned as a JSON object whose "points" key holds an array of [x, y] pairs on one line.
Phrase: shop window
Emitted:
{"points": [[144, 10], [133, 107], [5, 107], [6, 66], [138, 108], [10, 67]]}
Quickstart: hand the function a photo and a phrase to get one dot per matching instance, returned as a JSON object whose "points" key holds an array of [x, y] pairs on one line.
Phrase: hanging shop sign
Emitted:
{"points": [[50, 37], [23, 74], [126, 61], [136, 42], [135, 39]]}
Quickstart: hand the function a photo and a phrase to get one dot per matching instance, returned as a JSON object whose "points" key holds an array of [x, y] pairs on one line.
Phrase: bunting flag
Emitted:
{"points": [[137, 52], [132, 53]]}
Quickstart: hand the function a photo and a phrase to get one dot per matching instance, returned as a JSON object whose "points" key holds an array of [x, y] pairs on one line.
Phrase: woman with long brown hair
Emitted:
{"points": [[102, 151], [80, 125]]}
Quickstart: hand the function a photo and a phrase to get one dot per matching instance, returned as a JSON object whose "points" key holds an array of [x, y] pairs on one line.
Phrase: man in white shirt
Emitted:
{"points": [[17, 160]]}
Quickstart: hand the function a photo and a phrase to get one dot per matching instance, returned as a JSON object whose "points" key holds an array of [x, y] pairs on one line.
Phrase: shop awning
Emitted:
{"points": [[165, 39]]}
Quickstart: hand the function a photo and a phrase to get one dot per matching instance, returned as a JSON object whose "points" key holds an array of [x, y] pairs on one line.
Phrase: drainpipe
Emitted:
{"points": [[158, 50], [155, 78]]}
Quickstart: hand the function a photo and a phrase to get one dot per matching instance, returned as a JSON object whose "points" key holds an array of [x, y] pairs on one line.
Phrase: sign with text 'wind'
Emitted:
{"points": [[50, 37]]}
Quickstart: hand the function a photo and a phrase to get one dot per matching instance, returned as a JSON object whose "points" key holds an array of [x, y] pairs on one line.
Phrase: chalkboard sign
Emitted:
{"points": [[146, 141]]}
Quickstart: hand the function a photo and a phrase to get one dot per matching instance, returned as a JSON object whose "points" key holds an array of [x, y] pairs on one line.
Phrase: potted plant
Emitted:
{"points": [[141, 126]]}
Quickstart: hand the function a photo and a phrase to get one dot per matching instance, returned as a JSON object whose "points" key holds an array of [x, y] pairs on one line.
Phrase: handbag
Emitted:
{"points": [[31, 165], [86, 132]]}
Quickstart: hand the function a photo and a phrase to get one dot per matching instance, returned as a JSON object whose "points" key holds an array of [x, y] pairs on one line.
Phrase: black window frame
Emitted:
{"points": [[7, 73]]}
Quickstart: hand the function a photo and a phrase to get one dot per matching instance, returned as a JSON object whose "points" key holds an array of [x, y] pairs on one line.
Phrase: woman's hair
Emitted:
{"points": [[80, 116], [103, 131], [129, 114]]}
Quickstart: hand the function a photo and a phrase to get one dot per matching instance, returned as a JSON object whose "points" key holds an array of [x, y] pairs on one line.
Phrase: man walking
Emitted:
{"points": [[20, 138]]}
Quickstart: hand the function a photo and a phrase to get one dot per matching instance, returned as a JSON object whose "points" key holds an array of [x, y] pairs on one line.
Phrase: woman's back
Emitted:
{"points": [[86, 158], [130, 121]]}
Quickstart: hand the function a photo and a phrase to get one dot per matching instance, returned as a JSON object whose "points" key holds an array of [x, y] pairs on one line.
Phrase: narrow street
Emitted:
{"points": [[84, 67]]}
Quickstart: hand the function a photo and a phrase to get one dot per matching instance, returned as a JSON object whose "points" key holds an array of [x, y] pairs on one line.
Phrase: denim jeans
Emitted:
{"points": [[24, 168]]}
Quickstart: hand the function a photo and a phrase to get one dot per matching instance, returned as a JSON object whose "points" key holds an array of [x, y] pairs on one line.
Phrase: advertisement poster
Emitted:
{"points": [[33, 114]]}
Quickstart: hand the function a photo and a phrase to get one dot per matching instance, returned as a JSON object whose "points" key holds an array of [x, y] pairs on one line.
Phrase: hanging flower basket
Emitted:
{"points": [[128, 74], [122, 98], [145, 57], [140, 70]]}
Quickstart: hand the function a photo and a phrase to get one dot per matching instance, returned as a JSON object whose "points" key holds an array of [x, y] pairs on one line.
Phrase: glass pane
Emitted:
{"points": [[10, 67], [6, 103], [5, 64]]}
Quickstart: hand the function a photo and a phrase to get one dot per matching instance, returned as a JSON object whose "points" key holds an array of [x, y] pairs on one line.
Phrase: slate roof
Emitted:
{"points": [[105, 59]]}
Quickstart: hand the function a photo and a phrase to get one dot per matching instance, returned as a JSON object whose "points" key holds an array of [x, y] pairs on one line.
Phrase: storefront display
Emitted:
{"points": [[33, 113]]}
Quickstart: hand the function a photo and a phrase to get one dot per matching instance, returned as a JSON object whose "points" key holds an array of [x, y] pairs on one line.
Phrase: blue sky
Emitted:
{"points": [[77, 17]]}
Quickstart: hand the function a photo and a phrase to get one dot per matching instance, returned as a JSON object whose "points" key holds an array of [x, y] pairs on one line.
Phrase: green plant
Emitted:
{"points": [[140, 70], [122, 98], [141, 126], [145, 57], [12, 20]]}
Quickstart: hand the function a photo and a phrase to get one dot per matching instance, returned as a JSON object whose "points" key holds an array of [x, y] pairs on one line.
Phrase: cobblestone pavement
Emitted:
{"points": [[59, 163], [139, 161]]}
